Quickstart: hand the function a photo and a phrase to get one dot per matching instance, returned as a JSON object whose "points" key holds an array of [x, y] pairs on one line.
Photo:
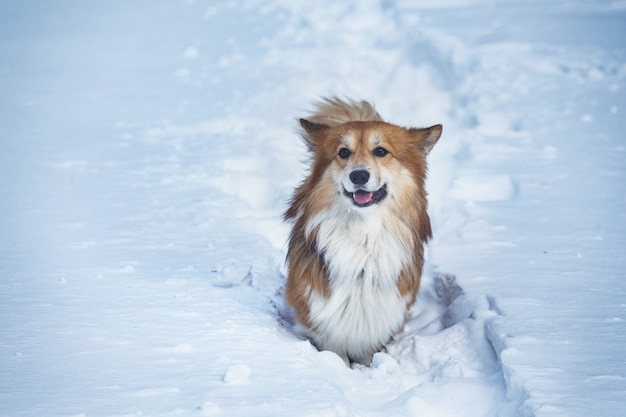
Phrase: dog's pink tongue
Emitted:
{"points": [[362, 197]]}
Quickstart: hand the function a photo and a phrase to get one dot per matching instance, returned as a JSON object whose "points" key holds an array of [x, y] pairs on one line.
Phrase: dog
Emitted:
{"points": [[359, 225]]}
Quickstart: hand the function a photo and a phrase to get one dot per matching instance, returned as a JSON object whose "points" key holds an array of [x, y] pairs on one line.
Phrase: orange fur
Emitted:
{"points": [[332, 258]]}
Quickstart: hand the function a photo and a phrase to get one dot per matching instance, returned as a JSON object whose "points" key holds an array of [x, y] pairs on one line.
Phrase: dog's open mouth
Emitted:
{"points": [[362, 198]]}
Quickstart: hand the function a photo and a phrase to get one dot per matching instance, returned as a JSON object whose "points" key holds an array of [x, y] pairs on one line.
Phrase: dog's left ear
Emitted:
{"points": [[427, 137]]}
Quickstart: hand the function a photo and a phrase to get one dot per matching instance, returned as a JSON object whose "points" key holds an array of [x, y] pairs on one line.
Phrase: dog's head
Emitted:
{"points": [[369, 162]]}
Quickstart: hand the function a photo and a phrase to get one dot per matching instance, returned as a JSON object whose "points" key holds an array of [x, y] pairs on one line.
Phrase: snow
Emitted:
{"points": [[148, 150]]}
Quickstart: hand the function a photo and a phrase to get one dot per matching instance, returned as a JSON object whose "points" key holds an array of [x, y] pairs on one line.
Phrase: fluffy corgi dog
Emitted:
{"points": [[356, 249]]}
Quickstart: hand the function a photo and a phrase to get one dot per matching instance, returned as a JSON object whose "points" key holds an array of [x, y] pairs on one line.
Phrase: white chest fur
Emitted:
{"points": [[364, 256], [370, 244]]}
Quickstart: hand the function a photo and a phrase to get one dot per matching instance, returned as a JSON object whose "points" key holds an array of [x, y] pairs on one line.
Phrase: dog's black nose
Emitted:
{"points": [[359, 176]]}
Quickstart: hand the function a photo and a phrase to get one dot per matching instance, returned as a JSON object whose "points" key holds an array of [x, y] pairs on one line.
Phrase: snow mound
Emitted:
{"points": [[444, 348]]}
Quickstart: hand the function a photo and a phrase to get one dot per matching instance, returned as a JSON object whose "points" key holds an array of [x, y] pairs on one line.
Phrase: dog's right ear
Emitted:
{"points": [[311, 127], [312, 131]]}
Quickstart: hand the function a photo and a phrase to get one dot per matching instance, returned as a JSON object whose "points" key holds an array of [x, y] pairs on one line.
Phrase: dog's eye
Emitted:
{"points": [[380, 151], [344, 153]]}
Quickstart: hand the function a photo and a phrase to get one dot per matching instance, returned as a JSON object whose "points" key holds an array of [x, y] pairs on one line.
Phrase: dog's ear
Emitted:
{"points": [[311, 127], [426, 137], [312, 132]]}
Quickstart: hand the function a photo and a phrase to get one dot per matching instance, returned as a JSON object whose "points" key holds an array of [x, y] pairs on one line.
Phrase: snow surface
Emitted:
{"points": [[148, 150]]}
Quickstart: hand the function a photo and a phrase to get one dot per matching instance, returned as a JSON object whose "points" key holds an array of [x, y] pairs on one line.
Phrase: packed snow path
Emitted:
{"points": [[149, 148]]}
